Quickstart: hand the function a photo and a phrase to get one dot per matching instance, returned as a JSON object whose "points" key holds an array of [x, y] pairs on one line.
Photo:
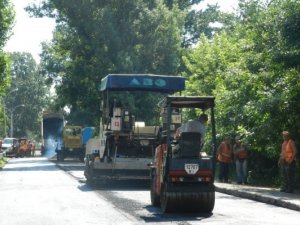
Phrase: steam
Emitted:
{"points": [[52, 135]]}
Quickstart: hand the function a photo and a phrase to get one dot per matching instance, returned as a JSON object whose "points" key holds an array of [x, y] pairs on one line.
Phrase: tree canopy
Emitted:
{"points": [[6, 22], [253, 71], [27, 96]]}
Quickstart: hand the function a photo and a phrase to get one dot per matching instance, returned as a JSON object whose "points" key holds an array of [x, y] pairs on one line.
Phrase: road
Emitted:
{"points": [[36, 191]]}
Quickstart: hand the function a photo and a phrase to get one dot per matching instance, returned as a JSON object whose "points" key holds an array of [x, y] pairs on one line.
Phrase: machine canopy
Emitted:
{"points": [[201, 102], [142, 82]]}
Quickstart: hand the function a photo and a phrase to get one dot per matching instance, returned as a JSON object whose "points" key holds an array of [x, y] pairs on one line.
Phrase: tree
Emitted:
{"points": [[94, 39], [27, 88], [256, 90], [6, 22]]}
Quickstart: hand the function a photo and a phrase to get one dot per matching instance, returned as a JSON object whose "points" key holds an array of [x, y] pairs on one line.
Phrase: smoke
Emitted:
{"points": [[52, 128]]}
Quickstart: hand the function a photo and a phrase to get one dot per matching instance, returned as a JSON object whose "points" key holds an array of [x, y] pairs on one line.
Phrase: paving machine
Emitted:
{"points": [[125, 147], [183, 180]]}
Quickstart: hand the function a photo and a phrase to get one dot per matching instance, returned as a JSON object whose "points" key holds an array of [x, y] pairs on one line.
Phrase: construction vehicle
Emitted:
{"points": [[183, 180], [24, 148], [72, 143], [125, 147], [51, 129]]}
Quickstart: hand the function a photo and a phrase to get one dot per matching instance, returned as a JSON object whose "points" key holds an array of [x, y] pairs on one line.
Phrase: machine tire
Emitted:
{"points": [[166, 202], [155, 199], [81, 157], [60, 156], [207, 202], [89, 172]]}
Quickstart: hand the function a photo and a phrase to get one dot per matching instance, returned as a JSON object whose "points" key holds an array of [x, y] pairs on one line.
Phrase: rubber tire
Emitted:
{"points": [[60, 157], [89, 172], [81, 158], [166, 202], [207, 202], [155, 199]]}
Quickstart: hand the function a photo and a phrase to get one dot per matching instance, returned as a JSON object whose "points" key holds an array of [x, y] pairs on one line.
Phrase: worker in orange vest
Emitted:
{"points": [[287, 162], [224, 154], [240, 157]]}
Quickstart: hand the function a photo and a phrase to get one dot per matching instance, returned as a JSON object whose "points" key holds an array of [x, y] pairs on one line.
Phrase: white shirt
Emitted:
{"points": [[58, 146], [194, 126]]}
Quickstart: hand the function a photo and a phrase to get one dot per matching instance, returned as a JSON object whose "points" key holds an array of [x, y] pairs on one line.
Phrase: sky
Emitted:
{"points": [[29, 33]]}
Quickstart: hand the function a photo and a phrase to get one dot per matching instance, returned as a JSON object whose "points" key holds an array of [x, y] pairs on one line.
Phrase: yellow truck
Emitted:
{"points": [[72, 143]]}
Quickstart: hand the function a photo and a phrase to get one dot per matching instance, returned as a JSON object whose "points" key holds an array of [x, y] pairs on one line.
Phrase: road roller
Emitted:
{"points": [[182, 171]]}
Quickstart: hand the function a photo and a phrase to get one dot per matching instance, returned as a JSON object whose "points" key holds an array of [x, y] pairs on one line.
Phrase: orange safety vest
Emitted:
{"points": [[288, 151], [224, 153], [242, 154]]}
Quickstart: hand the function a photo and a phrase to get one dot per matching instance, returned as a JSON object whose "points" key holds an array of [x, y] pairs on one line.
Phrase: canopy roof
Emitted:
{"points": [[51, 115], [201, 102], [142, 82]]}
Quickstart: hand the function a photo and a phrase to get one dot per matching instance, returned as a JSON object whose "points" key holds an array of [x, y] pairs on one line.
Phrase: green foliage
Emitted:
{"points": [[94, 39], [27, 88], [253, 71], [6, 22]]}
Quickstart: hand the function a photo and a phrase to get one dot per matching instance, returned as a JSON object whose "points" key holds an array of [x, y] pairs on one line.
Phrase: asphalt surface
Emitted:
{"points": [[262, 194], [35, 191]]}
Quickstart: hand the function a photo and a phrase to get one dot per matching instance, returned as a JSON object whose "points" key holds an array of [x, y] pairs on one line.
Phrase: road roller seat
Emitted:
{"points": [[189, 145]]}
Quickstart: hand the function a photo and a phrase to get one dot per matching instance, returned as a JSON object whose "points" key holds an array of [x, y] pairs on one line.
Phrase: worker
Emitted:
{"points": [[224, 154], [240, 156], [29, 149], [33, 149], [197, 125], [287, 162], [58, 146]]}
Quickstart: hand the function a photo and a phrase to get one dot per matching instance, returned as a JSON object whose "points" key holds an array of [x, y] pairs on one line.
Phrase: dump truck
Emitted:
{"points": [[51, 130], [125, 147], [72, 143], [183, 180]]}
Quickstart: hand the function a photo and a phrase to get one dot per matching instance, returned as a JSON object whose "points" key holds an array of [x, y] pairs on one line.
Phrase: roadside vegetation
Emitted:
{"points": [[248, 59], [2, 162]]}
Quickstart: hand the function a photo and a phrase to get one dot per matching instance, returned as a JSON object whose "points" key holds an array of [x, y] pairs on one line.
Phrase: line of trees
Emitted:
{"points": [[23, 91], [6, 22]]}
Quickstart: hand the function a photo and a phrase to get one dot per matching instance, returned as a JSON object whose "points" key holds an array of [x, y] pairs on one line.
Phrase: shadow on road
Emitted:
{"points": [[156, 215], [117, 185], [29, 164]]}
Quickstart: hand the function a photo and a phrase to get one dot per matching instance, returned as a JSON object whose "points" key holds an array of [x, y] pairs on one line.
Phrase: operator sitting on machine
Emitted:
{"points": [[197, 126]]}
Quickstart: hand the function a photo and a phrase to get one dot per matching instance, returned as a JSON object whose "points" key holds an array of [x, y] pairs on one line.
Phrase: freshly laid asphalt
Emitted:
{"points": [[262, 194]]}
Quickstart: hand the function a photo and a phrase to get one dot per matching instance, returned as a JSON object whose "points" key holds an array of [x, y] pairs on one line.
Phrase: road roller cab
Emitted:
{"points": [[182, 174]]}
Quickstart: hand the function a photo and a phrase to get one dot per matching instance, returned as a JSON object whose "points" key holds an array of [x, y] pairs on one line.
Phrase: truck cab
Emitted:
{"points": [[71, 143]]}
